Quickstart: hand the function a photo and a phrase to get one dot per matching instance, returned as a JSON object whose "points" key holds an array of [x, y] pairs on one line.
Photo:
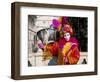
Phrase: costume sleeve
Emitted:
{"points": [[52, 48], [73, 55]]}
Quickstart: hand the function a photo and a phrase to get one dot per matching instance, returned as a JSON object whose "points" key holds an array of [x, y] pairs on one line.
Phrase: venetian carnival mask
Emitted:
{"points": [[67, 36]]}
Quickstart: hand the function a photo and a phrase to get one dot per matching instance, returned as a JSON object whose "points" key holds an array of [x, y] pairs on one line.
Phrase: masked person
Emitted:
{"points": [[68, 47]]}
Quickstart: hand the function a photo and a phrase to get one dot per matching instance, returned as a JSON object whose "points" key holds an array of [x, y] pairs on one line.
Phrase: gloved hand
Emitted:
{"points": [[40, 44]]}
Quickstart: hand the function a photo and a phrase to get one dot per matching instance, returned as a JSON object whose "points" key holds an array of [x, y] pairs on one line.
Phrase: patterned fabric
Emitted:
{"points": [[68, 52]]}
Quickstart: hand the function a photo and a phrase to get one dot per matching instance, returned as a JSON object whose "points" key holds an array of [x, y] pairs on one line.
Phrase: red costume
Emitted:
{"points": [[66, 51]]}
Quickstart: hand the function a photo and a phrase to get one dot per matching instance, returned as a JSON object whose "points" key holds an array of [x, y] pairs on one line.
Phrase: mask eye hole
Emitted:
{"points": [[66, 35]]}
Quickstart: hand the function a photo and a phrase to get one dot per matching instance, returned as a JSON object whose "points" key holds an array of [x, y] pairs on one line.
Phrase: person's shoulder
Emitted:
{"points": [[62, 41], [74, 40]]}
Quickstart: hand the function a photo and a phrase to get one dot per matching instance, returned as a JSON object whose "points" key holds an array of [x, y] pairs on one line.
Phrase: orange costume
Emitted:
{"points": [[66, 48], [68, 52]]}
